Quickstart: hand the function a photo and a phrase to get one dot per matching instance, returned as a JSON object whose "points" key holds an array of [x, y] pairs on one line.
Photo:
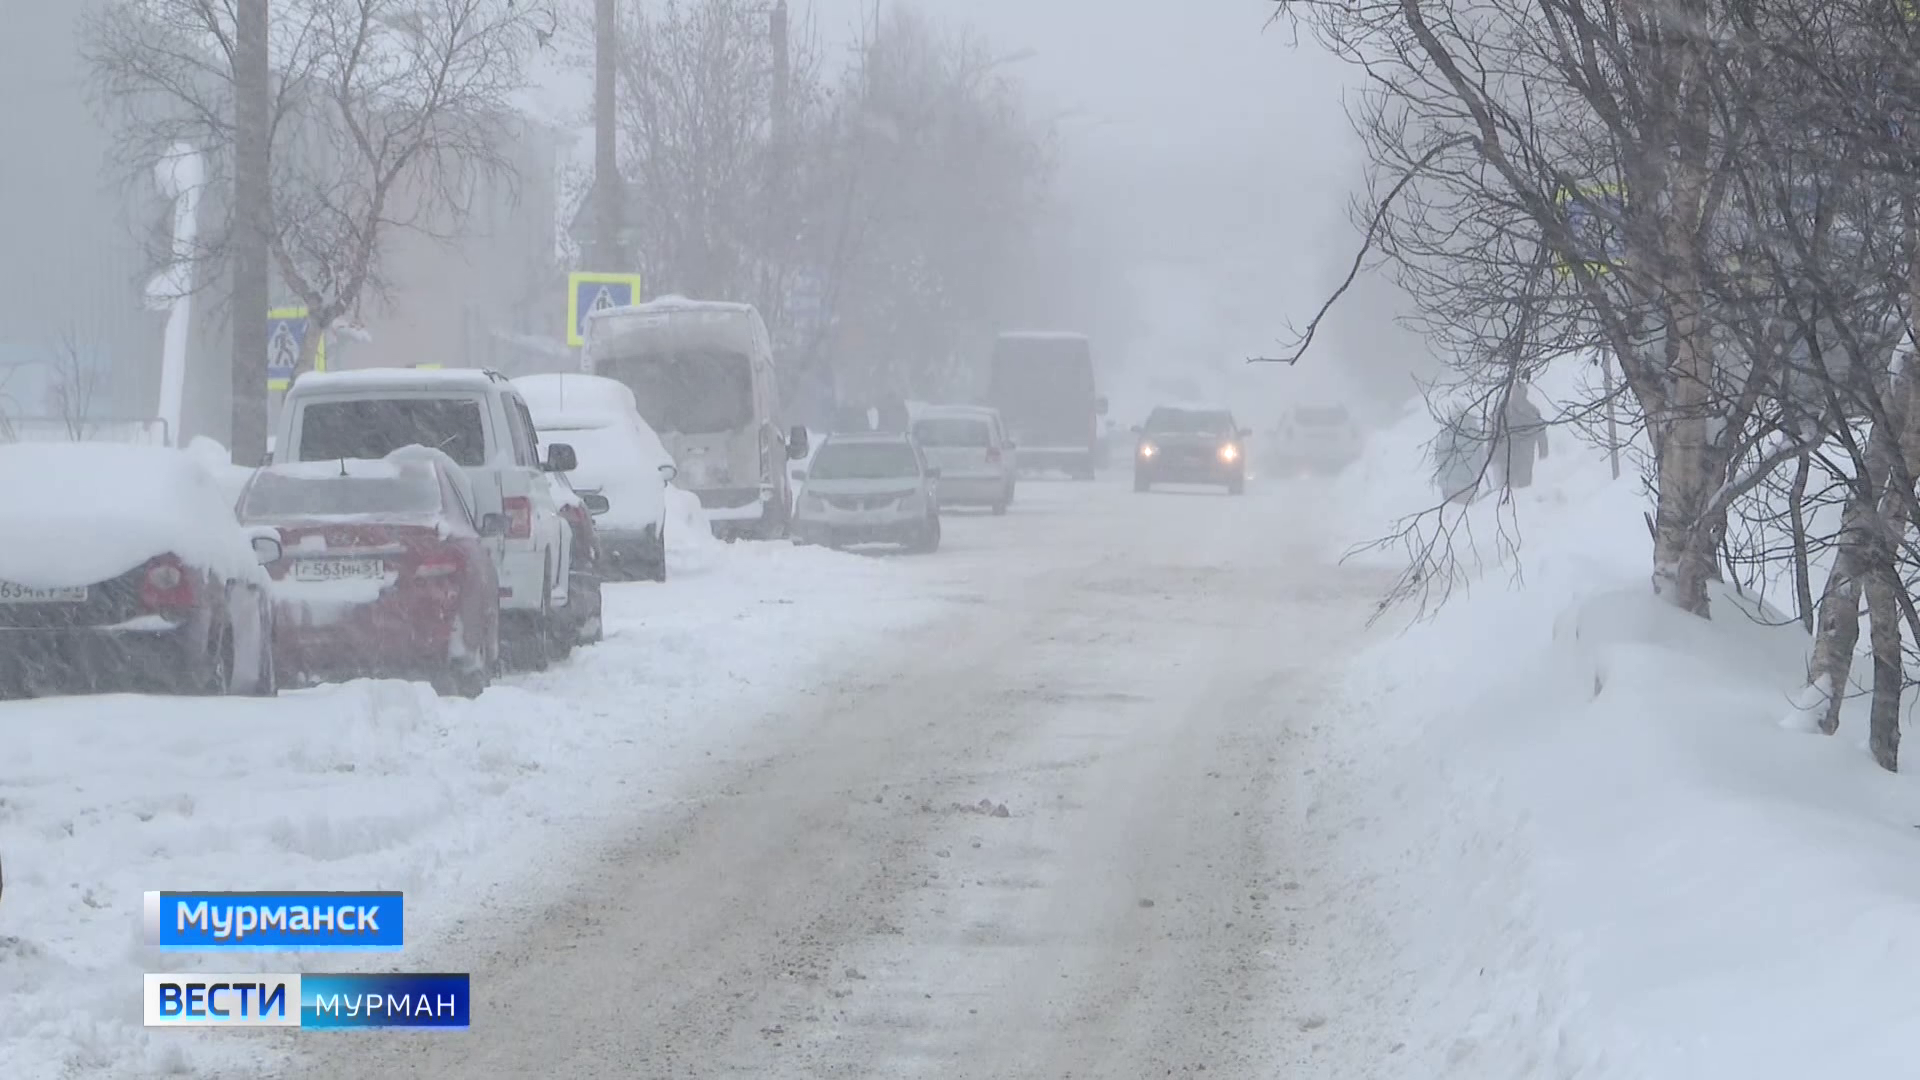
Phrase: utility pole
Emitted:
{"points": [[609, 207], [253, 220], [782, 77]]}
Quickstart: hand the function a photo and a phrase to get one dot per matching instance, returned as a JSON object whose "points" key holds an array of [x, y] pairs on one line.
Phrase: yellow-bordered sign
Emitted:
{"points": [[287, 330], [1586, 225], [588, 292]]}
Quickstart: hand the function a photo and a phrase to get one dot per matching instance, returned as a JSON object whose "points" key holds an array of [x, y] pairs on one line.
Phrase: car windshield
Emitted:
{"points": [[408, 490], [376, 427], [692, 392], [864, 461], [950, 431], [1190, 422]]}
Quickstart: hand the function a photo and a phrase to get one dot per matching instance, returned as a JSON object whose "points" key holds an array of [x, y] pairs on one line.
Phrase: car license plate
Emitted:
{"points": [[21, 594], [339, 570]]}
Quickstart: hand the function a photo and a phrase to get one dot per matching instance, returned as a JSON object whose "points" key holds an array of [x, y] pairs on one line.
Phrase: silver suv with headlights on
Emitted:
{"points": [[869, 489], [1190, 445]]}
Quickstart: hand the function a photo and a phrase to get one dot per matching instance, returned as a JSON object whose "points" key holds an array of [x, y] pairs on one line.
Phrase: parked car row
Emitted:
{"points": [[409, 525]]}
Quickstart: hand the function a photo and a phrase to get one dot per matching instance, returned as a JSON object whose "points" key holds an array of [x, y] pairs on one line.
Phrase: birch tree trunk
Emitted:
{"points": [[1837, 632]]}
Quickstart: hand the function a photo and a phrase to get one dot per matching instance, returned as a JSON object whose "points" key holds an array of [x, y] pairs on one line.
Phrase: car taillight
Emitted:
{"points": [[519, 511], [166, 584], [439, 565]]}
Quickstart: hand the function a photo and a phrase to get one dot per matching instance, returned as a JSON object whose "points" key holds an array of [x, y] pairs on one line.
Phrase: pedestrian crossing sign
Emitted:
{"points": [[287, 330], [589, 292]]}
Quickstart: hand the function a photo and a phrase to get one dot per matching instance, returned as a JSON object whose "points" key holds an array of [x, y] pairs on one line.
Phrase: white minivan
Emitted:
{"points": [[481, 421], [702, 374], [973, 451]]}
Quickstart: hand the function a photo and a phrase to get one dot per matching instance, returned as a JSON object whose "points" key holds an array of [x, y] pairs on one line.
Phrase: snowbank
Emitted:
{"points": [[80, 513], [383, 785], [1574, 812]]}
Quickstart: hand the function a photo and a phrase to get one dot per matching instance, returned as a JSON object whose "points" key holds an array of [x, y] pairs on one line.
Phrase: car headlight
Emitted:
{"points": [[1147, 449], [1229, 453]]}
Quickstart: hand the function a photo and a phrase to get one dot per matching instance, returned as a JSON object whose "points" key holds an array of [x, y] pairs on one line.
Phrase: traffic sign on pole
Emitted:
{"points": [[286, 335], [590, 292]]}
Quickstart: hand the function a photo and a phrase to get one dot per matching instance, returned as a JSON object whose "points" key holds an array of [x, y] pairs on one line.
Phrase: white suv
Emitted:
{"points": [[479, 420]]}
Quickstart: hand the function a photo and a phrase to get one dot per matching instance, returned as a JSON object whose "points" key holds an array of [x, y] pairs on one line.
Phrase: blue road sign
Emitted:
{"points": [[590, 292], [286, 333]]}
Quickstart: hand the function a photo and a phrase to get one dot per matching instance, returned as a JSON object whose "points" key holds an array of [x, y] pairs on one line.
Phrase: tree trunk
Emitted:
{"points": [[1797, 513], [1838, 631], [253, 223], [1883, 613], [606, 255]]}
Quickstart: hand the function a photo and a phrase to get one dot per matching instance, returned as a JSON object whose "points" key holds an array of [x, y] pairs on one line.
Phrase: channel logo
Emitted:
{"points": [[326, 1001]]}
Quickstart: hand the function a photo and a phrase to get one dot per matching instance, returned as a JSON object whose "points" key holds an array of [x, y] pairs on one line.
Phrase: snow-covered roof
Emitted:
{"points": [[560, 400], [81, 513], [351, 468], [395, 379], [681, 303], [955, 411]]}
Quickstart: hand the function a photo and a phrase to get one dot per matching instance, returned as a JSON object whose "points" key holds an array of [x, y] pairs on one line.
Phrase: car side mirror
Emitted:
{"points": [[796, 443], [493, 525], [267, 549], [595, 503], [1100, 405], [561, 458], [668, 471]]}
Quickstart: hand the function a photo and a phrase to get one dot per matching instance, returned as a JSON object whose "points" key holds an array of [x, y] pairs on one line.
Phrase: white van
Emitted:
{"points": [[702, 374], [479, 420]]}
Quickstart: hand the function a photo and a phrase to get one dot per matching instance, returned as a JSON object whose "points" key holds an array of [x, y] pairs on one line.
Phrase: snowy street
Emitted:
{"points": [[819, 883]]}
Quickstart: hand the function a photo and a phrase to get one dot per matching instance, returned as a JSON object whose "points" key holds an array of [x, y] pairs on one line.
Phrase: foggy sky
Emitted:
{"points": [[1213, 154]]}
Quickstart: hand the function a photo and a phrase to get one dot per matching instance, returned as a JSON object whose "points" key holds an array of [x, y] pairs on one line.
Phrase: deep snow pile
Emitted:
{"points": [[1592, 847], [381, 785]]}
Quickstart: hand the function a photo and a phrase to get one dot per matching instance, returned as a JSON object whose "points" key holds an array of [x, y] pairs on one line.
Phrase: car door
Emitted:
{"points": [[551, 532]]}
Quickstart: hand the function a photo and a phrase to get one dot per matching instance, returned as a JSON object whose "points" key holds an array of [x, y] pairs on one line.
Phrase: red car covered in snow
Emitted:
{"points": [[385, 571]]}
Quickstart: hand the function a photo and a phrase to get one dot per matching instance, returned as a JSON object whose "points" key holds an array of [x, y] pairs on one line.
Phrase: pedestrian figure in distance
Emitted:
{"points": [[1523, 435], [1460, 455]]}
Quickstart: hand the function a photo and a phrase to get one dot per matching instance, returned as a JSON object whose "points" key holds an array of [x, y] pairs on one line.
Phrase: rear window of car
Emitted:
{"points": [[412, 490], [376, 427], [948, 431], [864, 461], [1190, 421]]}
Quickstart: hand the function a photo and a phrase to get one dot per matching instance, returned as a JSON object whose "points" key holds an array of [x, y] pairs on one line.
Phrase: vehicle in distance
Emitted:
{"points": [[702, 376], [973, 452], [384, 571], [1194, 444], [1320, 439], [123, 568], [867, 489], [1042, 383]]}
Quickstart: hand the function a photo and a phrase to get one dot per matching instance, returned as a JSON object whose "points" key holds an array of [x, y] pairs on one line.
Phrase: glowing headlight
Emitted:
{"points": [[1147, 449], [1229, 453]]}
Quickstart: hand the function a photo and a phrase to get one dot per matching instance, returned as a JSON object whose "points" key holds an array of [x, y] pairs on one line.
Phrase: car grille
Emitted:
{"points": [[861, 502]]}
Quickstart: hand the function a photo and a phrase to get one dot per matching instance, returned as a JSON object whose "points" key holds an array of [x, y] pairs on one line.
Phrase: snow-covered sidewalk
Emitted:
{"points": [[1579, 841], [381, 785]]}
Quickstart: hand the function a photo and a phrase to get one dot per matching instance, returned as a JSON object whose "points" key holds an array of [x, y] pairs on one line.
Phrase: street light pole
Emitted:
{"points": [[606, 255]]}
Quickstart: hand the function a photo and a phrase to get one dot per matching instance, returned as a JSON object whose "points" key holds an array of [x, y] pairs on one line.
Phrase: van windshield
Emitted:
{"points": [[691, 391], [376, 427]]}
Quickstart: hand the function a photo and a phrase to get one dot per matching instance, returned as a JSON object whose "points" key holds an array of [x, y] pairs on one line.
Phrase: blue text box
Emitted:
{"points": [[276, 921]]}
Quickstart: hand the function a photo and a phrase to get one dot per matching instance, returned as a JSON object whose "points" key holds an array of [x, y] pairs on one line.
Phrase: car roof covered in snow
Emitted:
{"points": [[672, 303], [560, 400], [347, 382], [343, 468], [80, 513]]}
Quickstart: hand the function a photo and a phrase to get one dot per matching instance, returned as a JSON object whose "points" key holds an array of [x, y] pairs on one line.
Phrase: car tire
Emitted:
{"points": [[557, 627], [267, 684], [656, 568], [211, 673], [929, 541]]}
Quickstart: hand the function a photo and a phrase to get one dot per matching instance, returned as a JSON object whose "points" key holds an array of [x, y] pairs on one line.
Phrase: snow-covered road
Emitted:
{"points": [[1134, 678]]}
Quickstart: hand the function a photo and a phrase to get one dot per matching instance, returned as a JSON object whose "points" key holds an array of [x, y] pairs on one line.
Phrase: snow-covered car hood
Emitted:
{"points": [[81, 513]]}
